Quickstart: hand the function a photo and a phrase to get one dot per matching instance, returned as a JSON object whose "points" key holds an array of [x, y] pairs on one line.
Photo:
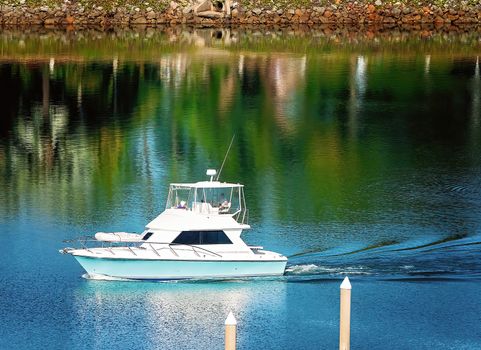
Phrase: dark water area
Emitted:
{"points": [[360, 157]]}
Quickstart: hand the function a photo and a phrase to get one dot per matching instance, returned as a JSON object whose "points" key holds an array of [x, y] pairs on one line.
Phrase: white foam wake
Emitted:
{"points": [[308, 269], [97, 277]]}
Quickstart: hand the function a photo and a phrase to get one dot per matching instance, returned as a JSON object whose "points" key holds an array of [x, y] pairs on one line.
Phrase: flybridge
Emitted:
{"points": [[209, 198]]}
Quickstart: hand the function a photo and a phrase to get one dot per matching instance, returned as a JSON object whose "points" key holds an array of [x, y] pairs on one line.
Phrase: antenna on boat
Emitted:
{"points": [[225, 157]]}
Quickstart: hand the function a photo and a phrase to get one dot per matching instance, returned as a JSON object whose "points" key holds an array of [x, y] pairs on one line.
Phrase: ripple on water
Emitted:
{"points": [[422, 259]]}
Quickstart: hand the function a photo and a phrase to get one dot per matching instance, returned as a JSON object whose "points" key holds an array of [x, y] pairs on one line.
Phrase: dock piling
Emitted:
{"points": [[345, 315], [230, 332]]}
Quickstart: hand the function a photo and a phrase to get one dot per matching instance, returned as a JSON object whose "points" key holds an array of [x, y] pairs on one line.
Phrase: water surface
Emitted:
{"points": [[360, 156]]}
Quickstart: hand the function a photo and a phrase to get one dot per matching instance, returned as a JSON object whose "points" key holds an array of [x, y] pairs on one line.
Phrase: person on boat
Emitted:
{"points": [[181, 205], [224, 205]]}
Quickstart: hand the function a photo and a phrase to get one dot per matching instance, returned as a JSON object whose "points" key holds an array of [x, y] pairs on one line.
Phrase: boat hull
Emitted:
{"points": [[158, 269]]}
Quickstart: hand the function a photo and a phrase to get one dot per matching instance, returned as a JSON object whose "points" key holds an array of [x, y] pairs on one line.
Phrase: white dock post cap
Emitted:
{"points": [[230, 320], [346, 284]]}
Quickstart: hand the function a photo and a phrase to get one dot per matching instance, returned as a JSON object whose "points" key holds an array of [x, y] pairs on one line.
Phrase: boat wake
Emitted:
{"points": [[312, 269], [95, 277], [451, 257]]}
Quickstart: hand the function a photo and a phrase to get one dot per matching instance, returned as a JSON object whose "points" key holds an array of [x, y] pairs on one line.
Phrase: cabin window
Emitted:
{"points": [[214, 237], [188, 237], [147, 236], [202, 237]]}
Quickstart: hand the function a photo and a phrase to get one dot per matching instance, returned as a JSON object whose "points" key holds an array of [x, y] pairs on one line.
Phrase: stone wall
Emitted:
{"points": [[346, 12]]}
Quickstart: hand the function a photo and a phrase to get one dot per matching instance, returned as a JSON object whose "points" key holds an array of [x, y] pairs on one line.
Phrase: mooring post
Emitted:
{"points": [[345, 315], [230, 332]]}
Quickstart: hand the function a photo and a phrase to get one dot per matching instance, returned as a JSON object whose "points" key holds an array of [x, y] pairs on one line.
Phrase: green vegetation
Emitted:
{"points": [[99, 5], [267, 4]]}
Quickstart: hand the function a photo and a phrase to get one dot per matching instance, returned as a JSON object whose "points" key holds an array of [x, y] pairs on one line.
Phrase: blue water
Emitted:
{"points": [[355, 164], [402, 300]]}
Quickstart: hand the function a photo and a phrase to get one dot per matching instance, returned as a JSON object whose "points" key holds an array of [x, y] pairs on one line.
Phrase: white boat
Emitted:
{"points": [[197, 236]]}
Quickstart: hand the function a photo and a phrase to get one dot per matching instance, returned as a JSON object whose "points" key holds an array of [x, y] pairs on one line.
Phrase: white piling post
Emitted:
{"points": [[345, 315], [230, 332]]}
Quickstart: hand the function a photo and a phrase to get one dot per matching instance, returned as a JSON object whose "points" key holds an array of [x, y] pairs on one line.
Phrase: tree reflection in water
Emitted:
{"points": [[313, 128]]}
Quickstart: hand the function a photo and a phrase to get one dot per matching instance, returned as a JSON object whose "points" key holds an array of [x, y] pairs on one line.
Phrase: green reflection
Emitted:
{"points": [[316, 131]]}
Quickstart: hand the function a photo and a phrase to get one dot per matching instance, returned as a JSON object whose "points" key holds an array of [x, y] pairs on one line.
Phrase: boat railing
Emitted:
{"points": [[242, 216], [195, 248], [87, 243], [239, 215], [210, 209], [175, 248]]}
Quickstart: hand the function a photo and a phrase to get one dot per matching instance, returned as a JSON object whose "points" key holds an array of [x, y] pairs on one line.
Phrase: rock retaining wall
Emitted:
{"points": [[346, 12]]}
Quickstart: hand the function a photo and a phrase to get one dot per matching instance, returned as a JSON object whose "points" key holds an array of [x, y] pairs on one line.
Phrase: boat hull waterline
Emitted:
{"points": [[161, 269]]}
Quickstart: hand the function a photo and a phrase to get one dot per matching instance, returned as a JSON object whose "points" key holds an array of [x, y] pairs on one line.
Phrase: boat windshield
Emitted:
{"points": [[208, 197]]}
